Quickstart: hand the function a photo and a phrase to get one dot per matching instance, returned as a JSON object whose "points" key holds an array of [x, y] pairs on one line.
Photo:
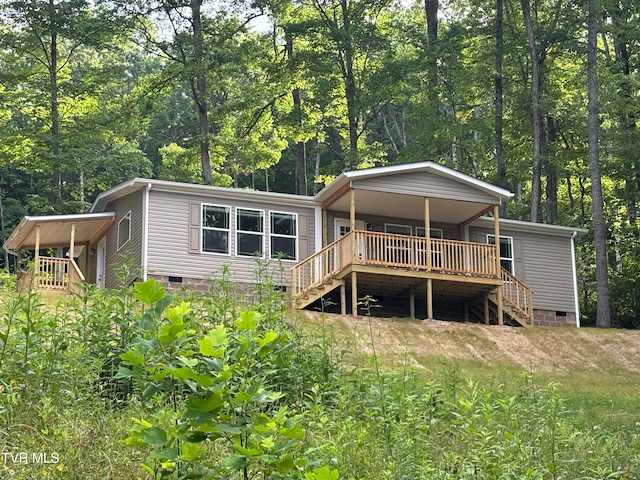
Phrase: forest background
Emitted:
{"points": [[284, 95]]}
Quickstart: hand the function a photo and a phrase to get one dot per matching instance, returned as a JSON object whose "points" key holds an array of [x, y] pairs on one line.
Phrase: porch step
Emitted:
{"points": [[314, 293], [511, 313]]}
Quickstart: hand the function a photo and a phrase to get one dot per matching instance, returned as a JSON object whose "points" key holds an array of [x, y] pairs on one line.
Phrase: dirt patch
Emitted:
{"points": [[539, 348]]}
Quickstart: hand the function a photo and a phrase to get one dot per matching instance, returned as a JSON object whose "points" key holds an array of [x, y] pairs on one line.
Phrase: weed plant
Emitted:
{"points": [[225, 386]]}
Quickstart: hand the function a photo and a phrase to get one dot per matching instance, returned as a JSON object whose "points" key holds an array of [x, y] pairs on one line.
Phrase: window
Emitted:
{"points": [[124, 230], [433, 232], [284, 235], [215, 229], [397, 229], [506, 251], [249, 232]]}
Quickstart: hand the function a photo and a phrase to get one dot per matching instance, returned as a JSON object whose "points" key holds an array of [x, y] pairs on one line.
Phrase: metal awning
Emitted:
{"points": [[56, 230]]}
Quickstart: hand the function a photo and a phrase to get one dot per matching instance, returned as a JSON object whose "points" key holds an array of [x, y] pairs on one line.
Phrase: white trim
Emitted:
{"points": [[520, 226], [513, 250], [229, 230], [337, 222], [101, 262], [295, 237], [262, 233], [575, 278], [126, 216], [145, 233], [318, 229]]}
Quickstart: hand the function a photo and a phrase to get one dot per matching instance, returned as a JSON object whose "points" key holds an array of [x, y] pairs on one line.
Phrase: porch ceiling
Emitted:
{"points": [[410, 207], [55, 230]]}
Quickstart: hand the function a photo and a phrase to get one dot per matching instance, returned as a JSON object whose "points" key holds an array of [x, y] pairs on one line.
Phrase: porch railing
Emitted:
{"points": [[394, 251], [519, 295], [52, 273]]}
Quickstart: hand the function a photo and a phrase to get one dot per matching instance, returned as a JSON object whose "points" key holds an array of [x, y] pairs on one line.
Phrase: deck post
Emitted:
{"points": [[72, 241], [36, 259], [412, 303], [343, 299], [496, 228], [429, 298], [352, 224], [427, 231], [486, 308], [354, 294]]}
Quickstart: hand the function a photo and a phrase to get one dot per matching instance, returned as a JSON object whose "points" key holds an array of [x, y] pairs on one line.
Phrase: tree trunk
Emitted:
{"points": [[350, 87], [431, 16], [500, 159], [599, 227], [199, 91], [54, 105], [536, 183], [300, 148]]}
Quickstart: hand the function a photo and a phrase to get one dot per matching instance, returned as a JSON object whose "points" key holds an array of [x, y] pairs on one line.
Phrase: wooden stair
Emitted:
{"points": [[312, 294]]}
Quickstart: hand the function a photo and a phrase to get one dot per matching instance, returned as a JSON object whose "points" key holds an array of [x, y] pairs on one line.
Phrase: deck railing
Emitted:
{"points": [[517, 294], [394, 251], [52, 273]]}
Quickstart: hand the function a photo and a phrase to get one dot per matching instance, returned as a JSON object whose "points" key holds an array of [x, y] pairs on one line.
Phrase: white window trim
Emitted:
{"points": [[431, 229], [295, 237], [229, 230], [397, 225], [512, 259], [127, 216], [263, 233]]}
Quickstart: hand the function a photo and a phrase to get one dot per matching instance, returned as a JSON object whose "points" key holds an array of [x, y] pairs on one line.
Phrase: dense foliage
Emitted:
{"points": [[113, 384]]}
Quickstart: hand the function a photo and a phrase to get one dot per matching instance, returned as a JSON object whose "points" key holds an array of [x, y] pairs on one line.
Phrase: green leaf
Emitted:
{"points": [[155, 436], [322, 473], [267, 338], [247, 320], [236, 461], [209, 404], [149, 292], [132, 358]]}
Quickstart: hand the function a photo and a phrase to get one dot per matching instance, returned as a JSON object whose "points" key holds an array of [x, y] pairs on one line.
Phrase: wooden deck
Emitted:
{"points": [[399, 262], [53, 275]]}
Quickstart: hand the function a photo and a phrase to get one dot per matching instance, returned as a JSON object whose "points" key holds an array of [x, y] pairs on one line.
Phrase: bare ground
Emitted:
{"points": [[420, 343]]}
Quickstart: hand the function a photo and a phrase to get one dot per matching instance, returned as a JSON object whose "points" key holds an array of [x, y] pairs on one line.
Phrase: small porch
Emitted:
{"points": [[70, 242]]}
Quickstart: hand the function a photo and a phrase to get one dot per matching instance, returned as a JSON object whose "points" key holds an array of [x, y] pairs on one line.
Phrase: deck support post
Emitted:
{"points": [[36, 259], [412, 303], [354, 294], [496, 228], [486, 308], [427, 231], [72, 241], [429, 298], [343, 299]]}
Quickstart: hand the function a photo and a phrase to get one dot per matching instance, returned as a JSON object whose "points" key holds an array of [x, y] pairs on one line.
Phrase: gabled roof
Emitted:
{"points": [[55, 230], [125, 188], [346, 178]]}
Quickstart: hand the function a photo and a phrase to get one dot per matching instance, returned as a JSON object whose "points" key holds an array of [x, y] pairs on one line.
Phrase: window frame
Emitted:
{"points": [[295, 237], [431, 230], [387, 225], [238, 231], [229, 210], [511, 259], [127, 217]]}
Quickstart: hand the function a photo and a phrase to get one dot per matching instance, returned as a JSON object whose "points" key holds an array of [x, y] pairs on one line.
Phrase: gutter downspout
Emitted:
{"points": [[575, 278], [145, 231]]}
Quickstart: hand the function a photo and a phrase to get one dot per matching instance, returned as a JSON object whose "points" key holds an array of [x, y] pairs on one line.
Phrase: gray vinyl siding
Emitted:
{"points": [[543, 262], [376, 223], [130, 251], [175, 237], [425, 184]]}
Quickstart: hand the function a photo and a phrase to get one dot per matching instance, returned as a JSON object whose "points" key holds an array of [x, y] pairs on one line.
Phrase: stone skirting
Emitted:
{"points": [[551, 318]]}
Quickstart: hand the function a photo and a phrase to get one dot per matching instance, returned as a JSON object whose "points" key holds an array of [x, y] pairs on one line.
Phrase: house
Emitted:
{"points": [[421, 239]]}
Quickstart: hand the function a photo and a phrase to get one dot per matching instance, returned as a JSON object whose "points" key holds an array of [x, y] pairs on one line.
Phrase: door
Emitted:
{"points": [[343, 226], [101, 257]]}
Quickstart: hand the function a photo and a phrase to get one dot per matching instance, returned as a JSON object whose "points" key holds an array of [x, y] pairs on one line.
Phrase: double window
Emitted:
{"points": [[506, 251], [250, 232]]}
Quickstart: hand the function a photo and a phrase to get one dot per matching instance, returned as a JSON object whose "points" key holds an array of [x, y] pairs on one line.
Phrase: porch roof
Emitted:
{"points": [[55, 230], [388, 198]]}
